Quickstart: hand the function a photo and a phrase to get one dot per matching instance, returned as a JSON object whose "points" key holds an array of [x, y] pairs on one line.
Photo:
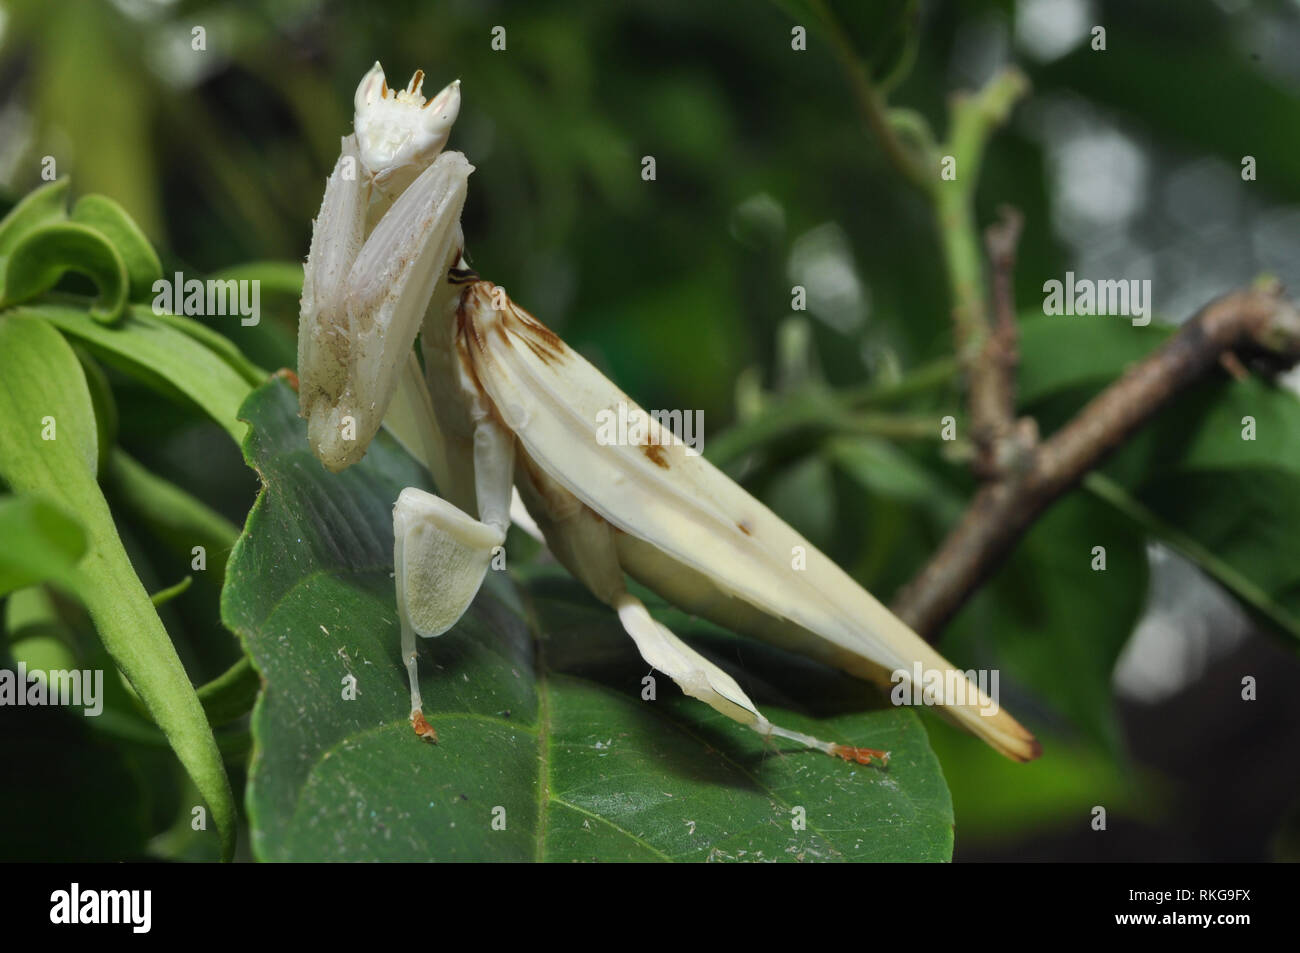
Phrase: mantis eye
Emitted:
{"points": [[398, 132]]}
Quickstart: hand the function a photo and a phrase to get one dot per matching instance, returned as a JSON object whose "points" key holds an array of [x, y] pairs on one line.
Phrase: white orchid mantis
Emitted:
{"points": [[503, 404]]}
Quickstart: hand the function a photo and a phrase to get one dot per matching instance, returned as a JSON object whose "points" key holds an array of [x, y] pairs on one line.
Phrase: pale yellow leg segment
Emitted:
{"points": [[700, 678], [585, 544]]}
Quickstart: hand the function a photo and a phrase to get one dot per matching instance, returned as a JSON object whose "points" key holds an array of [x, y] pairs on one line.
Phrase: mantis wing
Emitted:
{"points": [[559, 407]]}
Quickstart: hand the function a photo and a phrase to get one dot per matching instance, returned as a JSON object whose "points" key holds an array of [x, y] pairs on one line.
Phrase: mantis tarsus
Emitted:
{"points": [[503, 405]]}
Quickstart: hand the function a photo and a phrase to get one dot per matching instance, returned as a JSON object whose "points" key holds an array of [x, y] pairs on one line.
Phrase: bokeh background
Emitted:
{"points": [[1125, 163]]}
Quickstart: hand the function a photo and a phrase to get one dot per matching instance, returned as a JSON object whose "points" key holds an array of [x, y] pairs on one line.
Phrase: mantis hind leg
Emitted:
{"points": [[701, 679], [585, 544]]}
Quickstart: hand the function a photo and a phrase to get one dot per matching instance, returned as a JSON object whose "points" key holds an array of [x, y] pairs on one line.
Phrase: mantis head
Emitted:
{"points": [[399, 133]]}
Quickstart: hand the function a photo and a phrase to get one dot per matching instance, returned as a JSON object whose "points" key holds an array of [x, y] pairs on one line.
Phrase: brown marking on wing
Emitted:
{"points": [[546, 334], [656, 454], [467, 329], [652, 446], [545, 356], [467, 333], [544, 342], [743, 526], [513, 322], [539, 339]]}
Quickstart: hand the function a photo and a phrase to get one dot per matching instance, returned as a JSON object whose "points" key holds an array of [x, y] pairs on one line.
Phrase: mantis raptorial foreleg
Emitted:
{"points": [[338, 233], [411, 420], [363, 302], [440, 554]]}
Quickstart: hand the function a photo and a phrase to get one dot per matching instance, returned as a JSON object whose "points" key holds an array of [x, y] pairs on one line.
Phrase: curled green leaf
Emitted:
{"points": [[42, 206], [45, 254], [111, 220]]}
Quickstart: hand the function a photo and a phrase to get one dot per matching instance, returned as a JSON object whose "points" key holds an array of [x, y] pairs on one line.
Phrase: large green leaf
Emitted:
{"points": [[1237, 541], [536, 696], [1196, 477], [42, 386], [155, 351], [1058, 353]]}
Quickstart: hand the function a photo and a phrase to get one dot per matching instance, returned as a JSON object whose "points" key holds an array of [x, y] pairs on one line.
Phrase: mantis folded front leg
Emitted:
{"points": [[440, 554], [411, 420]]}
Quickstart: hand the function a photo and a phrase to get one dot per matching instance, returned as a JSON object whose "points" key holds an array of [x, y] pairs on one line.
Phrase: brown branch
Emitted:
{"points": [[999, 444], [1257, 323]]}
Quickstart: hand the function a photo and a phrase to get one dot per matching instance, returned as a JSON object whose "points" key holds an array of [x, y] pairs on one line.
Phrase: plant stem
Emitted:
{"points": [[973, 119], [871, 104], [927, 377]]}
